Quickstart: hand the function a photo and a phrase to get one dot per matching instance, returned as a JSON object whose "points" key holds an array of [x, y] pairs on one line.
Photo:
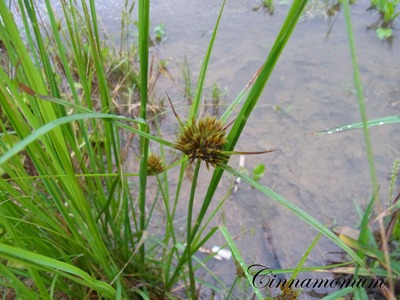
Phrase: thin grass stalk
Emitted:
{"points": [[365, 234], [189, 228], [63, 57], [24, 291], [77, 53], [129, 217], [212, 215], [48, 264], [360, 97], [111, 147], [164, 187], [144, 21], [202, 263], [367, 139], [131, 128], [44, 57], [169, 232], [74, 38], [304, 258], [237, 256], [95, 23], [33, 272], [27, 30], [177, 193], [152, 207], [199, 88]]}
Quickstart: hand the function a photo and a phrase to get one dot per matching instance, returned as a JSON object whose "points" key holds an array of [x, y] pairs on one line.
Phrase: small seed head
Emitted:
{"points": [[288, 293], [155, 165], [205, 140]]}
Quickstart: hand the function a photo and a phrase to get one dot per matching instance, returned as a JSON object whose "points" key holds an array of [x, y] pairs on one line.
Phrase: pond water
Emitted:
{"points": [[311, 89]]}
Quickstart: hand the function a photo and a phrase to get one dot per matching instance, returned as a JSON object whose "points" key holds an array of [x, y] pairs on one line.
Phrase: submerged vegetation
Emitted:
{"points": [[77, 223]]}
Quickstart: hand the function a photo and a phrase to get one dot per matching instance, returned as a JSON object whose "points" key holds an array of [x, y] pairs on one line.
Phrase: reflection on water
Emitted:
{"points": [[312, 87]]}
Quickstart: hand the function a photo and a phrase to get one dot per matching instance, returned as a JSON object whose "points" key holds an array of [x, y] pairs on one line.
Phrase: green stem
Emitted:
{"points": [[360, 96], [144, 8], [189, 229], [177, 193]]}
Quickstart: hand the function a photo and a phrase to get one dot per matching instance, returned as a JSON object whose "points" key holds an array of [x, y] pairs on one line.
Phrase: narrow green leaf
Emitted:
{"points": [[239, 259], [53, 124], [371, 123], [305, 256], [62, 268], [199, 88], [144, 24]]}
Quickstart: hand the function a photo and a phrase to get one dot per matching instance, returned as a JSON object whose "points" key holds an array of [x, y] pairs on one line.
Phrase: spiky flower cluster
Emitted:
{"points": [[154, 165], [205, 140], [287, 293]]}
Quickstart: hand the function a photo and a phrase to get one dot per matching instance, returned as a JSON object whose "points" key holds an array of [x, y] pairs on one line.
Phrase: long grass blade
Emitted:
{"points": [[199, 88], [52, 265], [239, 259], [370, 123], [144, 23]]}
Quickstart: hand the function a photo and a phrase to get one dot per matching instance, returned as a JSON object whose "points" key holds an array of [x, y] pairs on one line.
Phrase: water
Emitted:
{"points": [[312, 85]]}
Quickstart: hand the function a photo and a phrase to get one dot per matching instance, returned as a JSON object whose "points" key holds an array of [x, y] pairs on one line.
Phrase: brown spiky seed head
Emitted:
{"points": [[288, 293], [155, 165], [205, 140]]}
